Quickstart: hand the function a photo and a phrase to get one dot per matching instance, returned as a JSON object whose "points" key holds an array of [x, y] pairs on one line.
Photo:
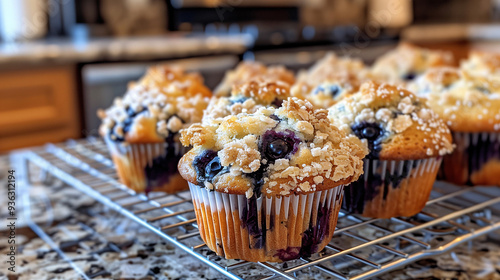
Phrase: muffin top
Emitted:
{"points": [[293, 149], [247, 98], [156, 108], [330, 79], [395, 123], [482, 63], [173, 81], [407, 61], [248, 70], [466, 103]]}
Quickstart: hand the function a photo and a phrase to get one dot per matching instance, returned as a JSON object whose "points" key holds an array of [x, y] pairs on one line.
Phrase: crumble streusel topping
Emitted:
{"points": [[407, 61], [381, 114], [274, 151], [247, 98], [330, 79], [466, 102], [249, 70], [162, 103]]}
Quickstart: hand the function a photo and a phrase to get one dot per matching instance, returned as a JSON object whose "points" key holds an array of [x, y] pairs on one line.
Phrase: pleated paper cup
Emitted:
{"points": [[271, 229], [148, 167], [475, 160], [392, 188]]}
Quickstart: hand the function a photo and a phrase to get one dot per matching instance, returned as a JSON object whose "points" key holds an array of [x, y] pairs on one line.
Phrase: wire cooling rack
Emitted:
{"points": [[361, 247]]}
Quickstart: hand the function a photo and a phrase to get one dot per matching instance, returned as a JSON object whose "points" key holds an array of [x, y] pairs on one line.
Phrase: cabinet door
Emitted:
{"points": [[38, 106]]}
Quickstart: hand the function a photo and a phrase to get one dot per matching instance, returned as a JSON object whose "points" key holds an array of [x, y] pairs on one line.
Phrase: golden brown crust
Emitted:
{"points": [[163, 102], [330, 79], [409, 60], [411, 145], [247, 98], [466, 103], [482, 63], [247, 71], [184, 166], [409, 129], [262, 90], [172, 80]]}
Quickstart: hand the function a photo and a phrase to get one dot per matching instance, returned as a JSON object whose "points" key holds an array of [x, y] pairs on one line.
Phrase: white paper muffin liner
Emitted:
{"points": [[134, 161], [391, 188], [475, 160], [266, 228]]}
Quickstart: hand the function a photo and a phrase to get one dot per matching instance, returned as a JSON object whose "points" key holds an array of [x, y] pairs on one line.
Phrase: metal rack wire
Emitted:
{"points": [[361, 248]]}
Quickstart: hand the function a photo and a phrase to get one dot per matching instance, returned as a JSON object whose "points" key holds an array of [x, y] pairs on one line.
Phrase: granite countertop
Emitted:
{"points": [[106, 245], [128, 48]]}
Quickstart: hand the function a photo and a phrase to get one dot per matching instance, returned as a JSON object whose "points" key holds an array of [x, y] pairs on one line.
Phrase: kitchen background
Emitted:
{"points": [[61, 60]]}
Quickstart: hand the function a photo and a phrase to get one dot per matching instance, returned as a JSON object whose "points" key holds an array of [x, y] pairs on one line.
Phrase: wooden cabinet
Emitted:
{"points": [[38, 106]]}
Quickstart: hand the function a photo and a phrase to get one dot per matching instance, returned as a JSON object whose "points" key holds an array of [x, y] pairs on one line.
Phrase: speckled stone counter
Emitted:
{"points": [[104, 245]]}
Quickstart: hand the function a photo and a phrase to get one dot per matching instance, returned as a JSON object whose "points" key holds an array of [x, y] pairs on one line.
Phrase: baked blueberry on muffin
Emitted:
{"points": [[408, 61], [482, 64], [248, 70], [267, 186], [406, 141], [470, 105], [330, 79], [248, 98], [142, 128]]}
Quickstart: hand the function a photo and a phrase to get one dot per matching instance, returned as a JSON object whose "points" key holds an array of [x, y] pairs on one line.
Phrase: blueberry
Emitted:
{"points": [[288, 254], [333, 90], [201, 161], [127, 123], [272, 145], [315, 234], [278, 148], [483, 89], [161, 169], [369, 131], [213, 168], [274, 117], [275, 145], [277, 102], [130, 112], [207, 166], [372, 132], [409, 76], [238, 100]]}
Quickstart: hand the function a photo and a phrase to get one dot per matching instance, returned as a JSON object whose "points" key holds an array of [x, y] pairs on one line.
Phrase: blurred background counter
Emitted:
{"points": [[61, 60], [59, 51], [50, 89]]}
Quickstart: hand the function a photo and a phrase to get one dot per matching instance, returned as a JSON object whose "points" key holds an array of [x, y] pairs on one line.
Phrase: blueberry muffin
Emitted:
{"points": [[142, 128], [268, 186], [408, 61], [248, 70], [247, 98], [470, 105], [482, 64], [330, 79], [406, 141]]}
